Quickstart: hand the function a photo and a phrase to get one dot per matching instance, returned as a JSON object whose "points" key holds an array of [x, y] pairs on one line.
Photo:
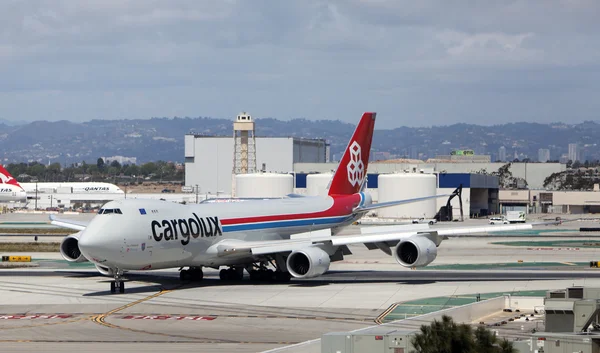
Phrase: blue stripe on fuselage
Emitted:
{"points": [[284, 224]]}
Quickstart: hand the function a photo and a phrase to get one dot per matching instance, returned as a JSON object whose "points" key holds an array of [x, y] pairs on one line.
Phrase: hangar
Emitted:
{"points": [[479, 192]]}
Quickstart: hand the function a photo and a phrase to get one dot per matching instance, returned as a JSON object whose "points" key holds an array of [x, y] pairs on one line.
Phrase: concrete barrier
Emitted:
{"points": [[462, 314], [522, 303]]}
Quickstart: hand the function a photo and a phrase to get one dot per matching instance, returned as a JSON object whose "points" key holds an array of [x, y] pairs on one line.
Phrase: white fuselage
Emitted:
{"points": [[71, 187], [12, 193], [149, 234]]}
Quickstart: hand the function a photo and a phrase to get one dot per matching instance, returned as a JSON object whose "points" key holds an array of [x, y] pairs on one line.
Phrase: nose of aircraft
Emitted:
{"points": [[94, 245]]}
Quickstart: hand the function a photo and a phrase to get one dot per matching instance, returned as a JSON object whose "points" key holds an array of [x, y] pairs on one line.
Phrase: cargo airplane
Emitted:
{"points": [[296, 235]]}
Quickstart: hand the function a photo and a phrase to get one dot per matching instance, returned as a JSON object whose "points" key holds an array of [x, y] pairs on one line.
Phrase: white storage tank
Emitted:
{"points": [[316, 184], [263, 185], [392, 187]]}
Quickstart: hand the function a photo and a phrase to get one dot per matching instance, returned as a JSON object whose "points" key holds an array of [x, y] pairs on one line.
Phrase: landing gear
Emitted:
{"points": [[192, 274], [264, 274], [118, 284], [232, 274]]}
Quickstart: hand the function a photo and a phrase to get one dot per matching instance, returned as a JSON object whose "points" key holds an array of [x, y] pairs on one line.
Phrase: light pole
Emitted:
{"points": [[196, 193], [36, 191]]}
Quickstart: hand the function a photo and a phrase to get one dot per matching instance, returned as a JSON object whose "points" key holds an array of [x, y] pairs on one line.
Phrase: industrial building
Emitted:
{"points": [[541, 201], [479, 192], [209, 160], [572, 322], [533, 173]]}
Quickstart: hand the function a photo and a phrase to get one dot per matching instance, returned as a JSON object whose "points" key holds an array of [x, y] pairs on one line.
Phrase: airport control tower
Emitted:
{"points": [[244, 148]]}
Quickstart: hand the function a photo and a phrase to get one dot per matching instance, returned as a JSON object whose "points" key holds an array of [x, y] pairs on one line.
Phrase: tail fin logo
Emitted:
{"points": [[6, 178], [356, 167]]}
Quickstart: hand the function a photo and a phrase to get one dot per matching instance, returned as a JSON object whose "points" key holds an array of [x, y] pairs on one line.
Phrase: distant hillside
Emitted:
{"points": [[162, 138]]}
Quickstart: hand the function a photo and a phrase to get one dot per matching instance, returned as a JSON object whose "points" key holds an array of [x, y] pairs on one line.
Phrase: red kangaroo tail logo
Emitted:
{"points": [[352, 170], [6, 178]]}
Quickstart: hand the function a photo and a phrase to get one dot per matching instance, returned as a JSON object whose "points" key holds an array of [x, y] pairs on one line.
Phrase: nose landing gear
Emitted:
{"points": [[118, 284]]}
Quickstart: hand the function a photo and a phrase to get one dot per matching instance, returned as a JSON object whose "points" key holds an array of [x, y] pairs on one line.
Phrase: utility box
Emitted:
{"points": [[565, 343], [559, 314], [369, 341], [585, 312], [570, 315]]}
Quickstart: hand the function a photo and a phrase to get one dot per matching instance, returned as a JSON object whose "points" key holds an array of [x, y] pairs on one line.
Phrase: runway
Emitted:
{"points": [[58, 307], [64, 310]]}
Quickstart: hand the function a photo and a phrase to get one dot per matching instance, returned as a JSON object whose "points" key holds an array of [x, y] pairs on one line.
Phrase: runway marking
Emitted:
{"points": [[100, 319], [379, 319], [569, 263], [33, 317], [48, 323], [166, 317]]}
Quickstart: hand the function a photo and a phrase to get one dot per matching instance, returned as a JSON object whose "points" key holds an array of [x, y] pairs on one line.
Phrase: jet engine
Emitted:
{"points": [[307, 263], [415, 251], [69, 248], [104, 270]]}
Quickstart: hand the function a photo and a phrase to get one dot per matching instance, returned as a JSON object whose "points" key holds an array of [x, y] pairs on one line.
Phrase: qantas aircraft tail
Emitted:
{"points": [[352, 170], [6, 178]]}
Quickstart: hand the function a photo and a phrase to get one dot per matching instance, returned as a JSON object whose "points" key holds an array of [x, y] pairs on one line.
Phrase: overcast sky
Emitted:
{"points": [[416, 63]]}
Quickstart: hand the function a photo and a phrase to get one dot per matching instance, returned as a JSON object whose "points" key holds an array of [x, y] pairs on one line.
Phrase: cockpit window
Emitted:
{"points": [[110, 210]]}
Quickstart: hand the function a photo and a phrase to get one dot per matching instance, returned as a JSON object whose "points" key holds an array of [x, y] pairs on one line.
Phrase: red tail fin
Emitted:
{"points": [[352, 170], [6, 178]]}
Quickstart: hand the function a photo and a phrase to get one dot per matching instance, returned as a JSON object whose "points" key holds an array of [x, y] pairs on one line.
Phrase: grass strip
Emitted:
{"points": [[30, 246], [58, 231]]}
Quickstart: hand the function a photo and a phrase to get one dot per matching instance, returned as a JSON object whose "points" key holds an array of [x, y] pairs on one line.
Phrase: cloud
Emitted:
{"points": [[444, 62]]}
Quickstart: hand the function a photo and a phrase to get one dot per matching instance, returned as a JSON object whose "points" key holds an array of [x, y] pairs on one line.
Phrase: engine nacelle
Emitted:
{"points": [[105, 270], [415, 251], [307, 263], [69, 248]]}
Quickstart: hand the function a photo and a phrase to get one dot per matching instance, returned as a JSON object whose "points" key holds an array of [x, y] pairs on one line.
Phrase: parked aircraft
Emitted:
{"points": [[10, 190], [295, 235], [61, 187]]}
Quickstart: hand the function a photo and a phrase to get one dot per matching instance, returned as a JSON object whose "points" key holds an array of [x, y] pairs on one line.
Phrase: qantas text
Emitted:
{"points": [[184, 228]]}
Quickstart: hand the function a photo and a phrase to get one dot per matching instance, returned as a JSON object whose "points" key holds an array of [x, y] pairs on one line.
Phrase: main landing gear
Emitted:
{"points": [[118, 284], [268, 275], [192, 274], [260, 271], [232, 274]]}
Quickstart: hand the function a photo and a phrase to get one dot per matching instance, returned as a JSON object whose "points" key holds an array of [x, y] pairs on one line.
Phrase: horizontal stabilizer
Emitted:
{"points": [[396, 203]]}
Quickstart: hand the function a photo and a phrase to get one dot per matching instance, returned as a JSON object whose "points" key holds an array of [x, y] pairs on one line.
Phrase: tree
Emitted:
{"points": [[100, 163], [505, 177], [446, 336], [115, 164]]}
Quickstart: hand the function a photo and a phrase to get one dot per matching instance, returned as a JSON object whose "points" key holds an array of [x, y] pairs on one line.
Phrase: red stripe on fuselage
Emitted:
{"points": [[342, 206]]}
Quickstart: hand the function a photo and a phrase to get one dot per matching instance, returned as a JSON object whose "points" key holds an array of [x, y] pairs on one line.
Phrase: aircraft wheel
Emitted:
{"points": [[121, 287], [184, 275], [113, 287], [198, 275], [283, 277], [224, 275]]}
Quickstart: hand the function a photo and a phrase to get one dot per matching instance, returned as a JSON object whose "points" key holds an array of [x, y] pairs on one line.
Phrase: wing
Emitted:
{"points": [[384, 234], [67, 223]]}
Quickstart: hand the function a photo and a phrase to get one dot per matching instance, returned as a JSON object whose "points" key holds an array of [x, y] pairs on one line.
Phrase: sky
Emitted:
{"points": [[416, 63]]}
